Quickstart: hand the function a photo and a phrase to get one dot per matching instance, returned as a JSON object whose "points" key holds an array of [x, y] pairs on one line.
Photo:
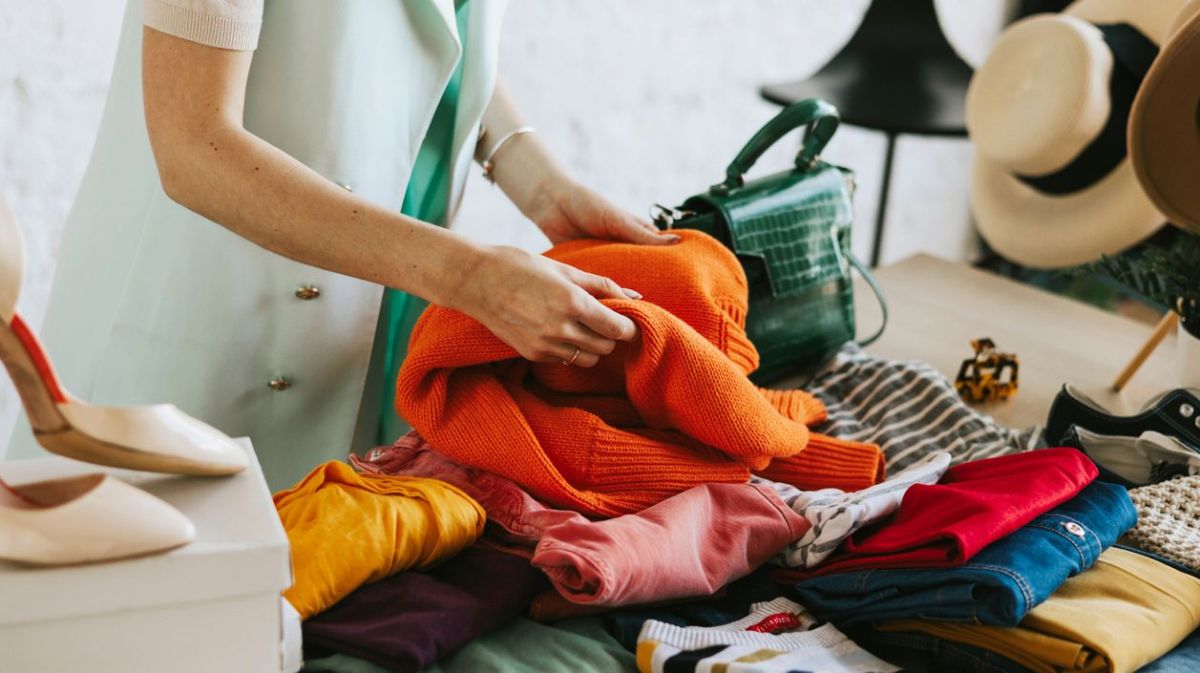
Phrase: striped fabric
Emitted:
{"points": [[909, 409], [835, 515]]}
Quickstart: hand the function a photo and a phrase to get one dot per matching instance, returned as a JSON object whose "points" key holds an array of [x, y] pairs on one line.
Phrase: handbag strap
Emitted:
{"points": [[819, 117], [870, 278]]}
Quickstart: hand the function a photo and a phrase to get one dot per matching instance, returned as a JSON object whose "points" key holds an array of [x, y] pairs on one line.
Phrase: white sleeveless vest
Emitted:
{"points": [[154, 303]]}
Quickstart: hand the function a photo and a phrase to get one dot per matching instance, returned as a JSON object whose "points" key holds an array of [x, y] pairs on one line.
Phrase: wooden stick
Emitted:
{"points": [[1160, 332]]}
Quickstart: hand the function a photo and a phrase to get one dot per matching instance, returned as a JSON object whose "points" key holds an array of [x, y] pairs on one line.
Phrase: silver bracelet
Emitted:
{"points": [[487, 162]]}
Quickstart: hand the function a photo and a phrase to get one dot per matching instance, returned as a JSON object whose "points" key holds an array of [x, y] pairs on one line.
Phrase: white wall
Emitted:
{"points": [[645, 101], [55, 62], [650, 101]]}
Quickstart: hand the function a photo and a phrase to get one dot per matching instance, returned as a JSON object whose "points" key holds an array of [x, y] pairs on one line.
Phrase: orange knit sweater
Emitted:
{"points": [[657, 416]]}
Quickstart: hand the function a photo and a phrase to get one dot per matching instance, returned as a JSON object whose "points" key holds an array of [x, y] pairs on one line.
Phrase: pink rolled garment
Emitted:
{"points": [[518, 516], [690, 544]]}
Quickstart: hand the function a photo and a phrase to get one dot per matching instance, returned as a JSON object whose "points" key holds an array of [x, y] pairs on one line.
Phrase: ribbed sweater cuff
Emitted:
{"points": [[648, 470], [829, 463], [796, 405], [223, 32]]}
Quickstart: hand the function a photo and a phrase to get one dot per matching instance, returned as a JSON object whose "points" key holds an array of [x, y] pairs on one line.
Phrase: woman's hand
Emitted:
{"points": [[566, 210], [547, 311]]}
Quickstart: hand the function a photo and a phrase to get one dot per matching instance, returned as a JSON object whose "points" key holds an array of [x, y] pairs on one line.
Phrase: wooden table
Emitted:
{"points": [[937, 307]]}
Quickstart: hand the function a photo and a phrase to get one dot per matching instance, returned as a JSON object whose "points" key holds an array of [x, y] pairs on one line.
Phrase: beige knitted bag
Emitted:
{"points": [[1169, 519]]}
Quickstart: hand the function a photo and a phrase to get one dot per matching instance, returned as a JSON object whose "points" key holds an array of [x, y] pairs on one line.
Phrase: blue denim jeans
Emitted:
{"points": [[998, 586]]}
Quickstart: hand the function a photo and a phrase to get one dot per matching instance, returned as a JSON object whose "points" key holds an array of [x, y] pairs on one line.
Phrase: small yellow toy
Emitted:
{"points": [[982, 378]]}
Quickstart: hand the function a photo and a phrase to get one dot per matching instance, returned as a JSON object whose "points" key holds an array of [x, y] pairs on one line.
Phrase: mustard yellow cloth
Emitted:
{"points": [[1121, 614], [348, 529]]}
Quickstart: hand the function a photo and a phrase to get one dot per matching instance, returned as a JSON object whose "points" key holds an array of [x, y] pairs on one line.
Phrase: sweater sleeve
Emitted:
{"points": [[226, 24]]}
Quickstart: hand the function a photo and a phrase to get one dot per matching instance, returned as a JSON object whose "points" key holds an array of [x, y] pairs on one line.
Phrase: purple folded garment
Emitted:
{"points": [[412, 620]]}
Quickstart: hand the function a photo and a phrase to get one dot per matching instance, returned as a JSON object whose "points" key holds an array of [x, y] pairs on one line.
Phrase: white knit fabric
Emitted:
{"points": [[226, 24], [774, 638], [1169, 519]]}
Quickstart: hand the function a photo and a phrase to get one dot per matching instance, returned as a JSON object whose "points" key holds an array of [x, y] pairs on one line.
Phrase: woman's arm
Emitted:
{"points": [[194, 96], [542, 190]]}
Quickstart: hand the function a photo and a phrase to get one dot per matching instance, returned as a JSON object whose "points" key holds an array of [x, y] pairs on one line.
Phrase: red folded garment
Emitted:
{"points": [[945, 524]]}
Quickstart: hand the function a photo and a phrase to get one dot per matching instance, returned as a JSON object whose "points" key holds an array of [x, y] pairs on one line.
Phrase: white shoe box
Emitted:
{"points": [[211, 606]]}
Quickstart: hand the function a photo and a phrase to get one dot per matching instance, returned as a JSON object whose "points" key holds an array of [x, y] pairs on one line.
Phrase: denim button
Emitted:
{"points": [[1186, 410], [1074, 529]]}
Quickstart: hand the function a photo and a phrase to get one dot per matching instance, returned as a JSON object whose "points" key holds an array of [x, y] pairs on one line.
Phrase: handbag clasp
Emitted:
{"points": [[665, 216]]}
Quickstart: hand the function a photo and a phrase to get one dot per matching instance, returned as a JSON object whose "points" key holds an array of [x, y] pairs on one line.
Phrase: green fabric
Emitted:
{"points": [[522, 647], [426, 199]]}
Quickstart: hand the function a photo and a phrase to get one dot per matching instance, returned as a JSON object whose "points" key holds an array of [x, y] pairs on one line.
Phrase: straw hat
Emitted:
{"points": [[1164, 127], [1052, 185]]}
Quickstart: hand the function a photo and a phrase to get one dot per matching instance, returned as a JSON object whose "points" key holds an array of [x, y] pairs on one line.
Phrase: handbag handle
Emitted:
{"points": [[870, 278], [821, 118]]}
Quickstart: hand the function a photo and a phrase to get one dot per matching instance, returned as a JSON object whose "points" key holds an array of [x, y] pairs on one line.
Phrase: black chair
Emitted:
{"points": [[898, 74]]}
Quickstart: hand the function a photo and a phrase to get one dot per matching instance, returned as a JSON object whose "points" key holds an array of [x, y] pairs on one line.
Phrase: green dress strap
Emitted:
{"points": [[427, 199]]}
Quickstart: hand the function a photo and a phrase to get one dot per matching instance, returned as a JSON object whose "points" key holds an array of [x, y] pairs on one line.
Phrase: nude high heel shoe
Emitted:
{"points": [[158, 438], [86, 519]]}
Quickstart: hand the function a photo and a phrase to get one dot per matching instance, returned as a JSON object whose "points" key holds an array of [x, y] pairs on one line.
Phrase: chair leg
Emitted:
{"points": [[881, 211], [1160, 332]]}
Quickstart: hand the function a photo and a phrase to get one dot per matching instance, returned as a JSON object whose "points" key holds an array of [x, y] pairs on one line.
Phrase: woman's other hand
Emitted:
{"points": [[567, 210], [544, 309], [563, 209]]}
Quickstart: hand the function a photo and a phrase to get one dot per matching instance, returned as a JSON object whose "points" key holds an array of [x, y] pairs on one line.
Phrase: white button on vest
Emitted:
{"points": [[279, 383]]}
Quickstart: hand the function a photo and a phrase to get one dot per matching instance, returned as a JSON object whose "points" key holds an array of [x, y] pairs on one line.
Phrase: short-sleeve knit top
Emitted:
{"points": [[227, 24]]}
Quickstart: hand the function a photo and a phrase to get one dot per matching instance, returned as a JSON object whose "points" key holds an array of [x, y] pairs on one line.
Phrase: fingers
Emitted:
{"points": [[599, 286], [574, 334], [550, 350], [596, 316], [566, 354], [606, 322], [626, 227]]}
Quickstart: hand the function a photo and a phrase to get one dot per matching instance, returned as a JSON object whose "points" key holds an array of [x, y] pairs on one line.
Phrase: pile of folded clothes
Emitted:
{"points": [[720, 526]]}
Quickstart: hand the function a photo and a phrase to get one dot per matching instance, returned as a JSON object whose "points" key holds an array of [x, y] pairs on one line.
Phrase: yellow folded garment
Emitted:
{"points": [[348, 529], [1119, 615]]}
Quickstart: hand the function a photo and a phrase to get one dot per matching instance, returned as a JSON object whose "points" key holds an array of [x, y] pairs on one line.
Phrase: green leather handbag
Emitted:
{"points": [[791, 232]]}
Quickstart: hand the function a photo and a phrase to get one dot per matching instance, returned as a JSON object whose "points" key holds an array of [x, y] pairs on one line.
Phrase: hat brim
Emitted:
{"points": [[1051, 231], [1042, 231], [1164, 129]]}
